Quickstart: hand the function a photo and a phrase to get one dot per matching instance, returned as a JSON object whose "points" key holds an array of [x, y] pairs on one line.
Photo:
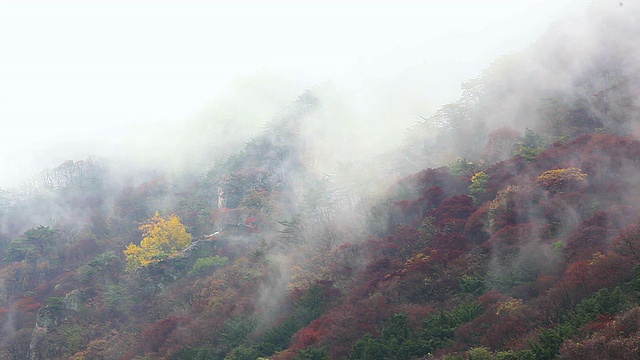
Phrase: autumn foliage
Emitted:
{"points": [[162, 237], [525, 247]]}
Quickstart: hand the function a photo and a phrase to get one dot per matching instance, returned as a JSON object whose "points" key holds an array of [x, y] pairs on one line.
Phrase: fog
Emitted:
{"points": [[292, 141], [156, 85]]}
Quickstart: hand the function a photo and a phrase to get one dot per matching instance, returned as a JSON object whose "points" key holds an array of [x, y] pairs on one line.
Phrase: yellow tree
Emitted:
{"points": [[162, 237], [559, 180]]}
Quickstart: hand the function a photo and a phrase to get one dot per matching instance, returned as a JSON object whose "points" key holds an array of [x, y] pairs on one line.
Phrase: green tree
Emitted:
{"points": [[242, 353], [478, 187], [531, 145], [462, 167], [306, 309], [116, 299], [312, 353], [202, 265], [32, 244], [604, 301], [292, 233], [479, 353], [472, 285], [236, 330], [98, 270], [369, 348]]}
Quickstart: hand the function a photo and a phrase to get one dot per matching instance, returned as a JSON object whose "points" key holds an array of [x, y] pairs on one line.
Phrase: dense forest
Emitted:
{"points": [[505, 226]]}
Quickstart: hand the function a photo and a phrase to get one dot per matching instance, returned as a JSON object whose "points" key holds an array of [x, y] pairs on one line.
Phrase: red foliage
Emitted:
{"points": [[156, 336], [27, 305], [432, 197], [454, 244], [508, 240], [542, 284], [577, 276], [501, 144], [611, 162], [388, 285], [492, 330], [343, 326], [476, 226], [440, 178], [590, 237], [600, 323], [455, 207], [412, 211], [627, 243], [609, 270], [284, 355], [583, 278], [310, 335], [505, 173], [22, 313], [83, 250], [243, 305], [415, 314], [380, 267], [491, 299], [610, 339]]}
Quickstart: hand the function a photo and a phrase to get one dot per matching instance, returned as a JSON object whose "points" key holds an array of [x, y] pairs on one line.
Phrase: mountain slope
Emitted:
{"points": [[525, 246]]}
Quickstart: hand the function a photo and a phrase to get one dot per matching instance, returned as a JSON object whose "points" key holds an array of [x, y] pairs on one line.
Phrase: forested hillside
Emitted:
{"points": [[506, 226]]}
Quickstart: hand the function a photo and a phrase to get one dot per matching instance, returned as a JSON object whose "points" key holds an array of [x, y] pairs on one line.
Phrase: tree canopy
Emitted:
{"points": [[162, 237]]}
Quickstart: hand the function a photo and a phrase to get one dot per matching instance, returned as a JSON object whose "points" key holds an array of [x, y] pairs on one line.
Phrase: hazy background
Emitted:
{"points": [[153, 81]]}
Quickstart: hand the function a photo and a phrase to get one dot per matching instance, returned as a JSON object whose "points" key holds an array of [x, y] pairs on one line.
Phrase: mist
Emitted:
{"points": [[169, 82], [327, 166]]}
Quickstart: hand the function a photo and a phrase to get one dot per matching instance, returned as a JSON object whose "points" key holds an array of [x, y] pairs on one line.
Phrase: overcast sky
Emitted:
{"points": [[74, 75]]}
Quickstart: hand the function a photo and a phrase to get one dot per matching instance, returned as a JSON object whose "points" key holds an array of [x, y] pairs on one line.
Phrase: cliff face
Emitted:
{"points": [[48, 321]]}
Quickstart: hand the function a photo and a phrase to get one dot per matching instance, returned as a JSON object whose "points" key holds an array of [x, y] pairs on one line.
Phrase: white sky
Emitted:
{"points": [[74, 74]]}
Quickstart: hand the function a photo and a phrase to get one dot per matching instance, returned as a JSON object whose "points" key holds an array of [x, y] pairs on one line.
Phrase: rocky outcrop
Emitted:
{"points": [[49, 317]]}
